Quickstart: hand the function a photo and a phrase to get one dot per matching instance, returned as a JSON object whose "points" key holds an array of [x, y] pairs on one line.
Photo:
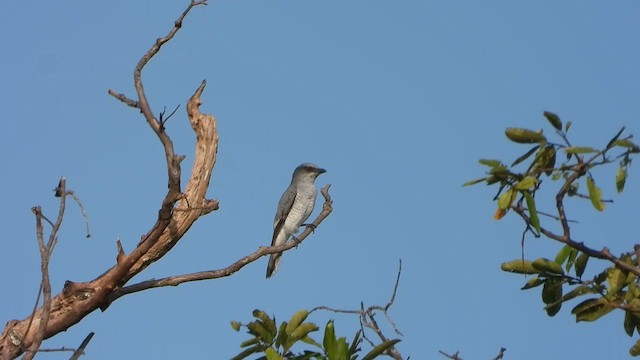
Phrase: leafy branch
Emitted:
{"points": [[518, 184]]}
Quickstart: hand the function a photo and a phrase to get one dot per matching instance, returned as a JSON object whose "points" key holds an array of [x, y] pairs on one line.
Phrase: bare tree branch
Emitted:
{"points": [[84, 213], [367, 318], [500, 354], [76, 354], [79, 299], [453, 356]]}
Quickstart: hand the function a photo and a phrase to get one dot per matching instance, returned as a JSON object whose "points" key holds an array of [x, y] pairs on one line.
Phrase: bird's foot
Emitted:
{"points": [[313, 227], [296, 240]]}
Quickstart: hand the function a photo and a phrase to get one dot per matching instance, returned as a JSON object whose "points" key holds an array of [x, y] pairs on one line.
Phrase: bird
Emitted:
{"points": [[294, 208]]}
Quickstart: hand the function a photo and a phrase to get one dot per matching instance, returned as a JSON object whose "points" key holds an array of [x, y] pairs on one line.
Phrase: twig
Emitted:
{"points": [[83, 345], [84, 213], [164, 120], [500, 354], [554, 216], [452, 356]]}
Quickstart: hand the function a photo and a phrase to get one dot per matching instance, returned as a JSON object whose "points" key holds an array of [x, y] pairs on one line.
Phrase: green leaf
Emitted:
{"points": [[600, 278], [491, 163], [571, 260], [567, 126], [296, 320], [632, 297], [252, 341], [519, 267], [621, 178], [272, 354], [379, 349], [550, 157], [625, 143], [310, 341], [553, 309], [525, 136], [578, 291], [282, 335], [553, 119], [301, 331], [269, 323], [342, 349], [355, 342], [546, 265], [635, 349], [505, 200], [617, 280], [247, 352], [533, 282], [257, 329], [552, 295], [525, 156], [552, 291], [235, 325], [581, 264], [630, 322], [579, 150], [533, 213], [595, 194], [563, 254], [473, 182], [614, 139], [526, 183], [592, 309], [330, 340]]}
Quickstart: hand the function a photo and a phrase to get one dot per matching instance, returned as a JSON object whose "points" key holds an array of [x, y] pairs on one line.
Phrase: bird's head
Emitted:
{"points": [[308, 171]]}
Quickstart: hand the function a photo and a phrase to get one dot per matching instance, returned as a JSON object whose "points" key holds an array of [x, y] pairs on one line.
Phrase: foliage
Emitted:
{"points": [[276, 343], [563, 278]]}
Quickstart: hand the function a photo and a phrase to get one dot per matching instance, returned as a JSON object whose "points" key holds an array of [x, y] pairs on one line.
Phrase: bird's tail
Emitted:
{"points": [[274, 262]]}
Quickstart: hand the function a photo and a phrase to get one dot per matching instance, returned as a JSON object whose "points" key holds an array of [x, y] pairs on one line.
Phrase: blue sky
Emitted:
{"points": [[396, 100]]}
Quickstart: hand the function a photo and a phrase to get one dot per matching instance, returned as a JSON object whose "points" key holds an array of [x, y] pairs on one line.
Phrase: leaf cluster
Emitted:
{"points": [[563, 279], [275, 343]]}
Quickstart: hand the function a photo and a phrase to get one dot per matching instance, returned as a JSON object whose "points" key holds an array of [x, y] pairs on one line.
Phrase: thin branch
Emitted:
{"points": [[554, 217], [76, 354], [367, 318], [164, 120], [500, 354], [452, 356], [124, 99], [603, 254], [62, 349], [85, 216]]}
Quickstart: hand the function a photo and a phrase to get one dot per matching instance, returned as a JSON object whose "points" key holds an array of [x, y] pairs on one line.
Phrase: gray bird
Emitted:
{"points": [[294, 208]]}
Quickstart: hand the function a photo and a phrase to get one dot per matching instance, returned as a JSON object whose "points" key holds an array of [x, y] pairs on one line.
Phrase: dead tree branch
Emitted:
{"points": [[79, 299]]}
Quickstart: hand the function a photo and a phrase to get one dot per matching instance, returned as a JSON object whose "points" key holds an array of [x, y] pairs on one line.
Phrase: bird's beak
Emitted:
{"points": [[321, 170]]}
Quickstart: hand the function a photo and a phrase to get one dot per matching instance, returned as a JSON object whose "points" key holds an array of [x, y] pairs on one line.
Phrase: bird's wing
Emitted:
{"points": [[284, 207]]}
